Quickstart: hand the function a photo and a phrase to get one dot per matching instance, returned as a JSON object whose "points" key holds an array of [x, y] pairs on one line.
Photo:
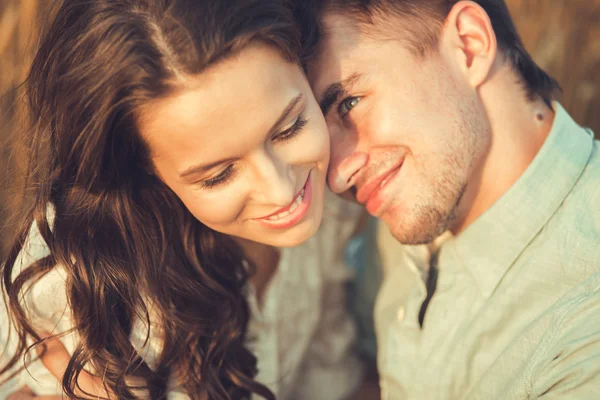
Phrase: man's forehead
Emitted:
{"points": [[336, 52], [341, 28]]}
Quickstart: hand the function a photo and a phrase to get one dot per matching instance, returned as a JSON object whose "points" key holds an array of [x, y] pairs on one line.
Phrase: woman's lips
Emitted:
{"points": [[292, 214]]}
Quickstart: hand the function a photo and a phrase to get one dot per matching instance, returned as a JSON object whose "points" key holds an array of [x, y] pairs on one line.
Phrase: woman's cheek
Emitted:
{"points": [[219, 208], [320, 133], [311, 147]]}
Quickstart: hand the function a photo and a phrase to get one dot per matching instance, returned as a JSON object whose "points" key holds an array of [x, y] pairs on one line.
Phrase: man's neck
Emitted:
{"points": [[519, 128]]}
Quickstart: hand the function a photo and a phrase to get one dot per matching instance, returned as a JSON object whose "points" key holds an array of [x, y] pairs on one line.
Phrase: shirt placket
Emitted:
{"points": [[404, 342]]}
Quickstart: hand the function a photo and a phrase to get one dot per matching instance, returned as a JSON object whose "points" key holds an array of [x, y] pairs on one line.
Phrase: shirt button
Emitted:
{"points": [[400, 314]]}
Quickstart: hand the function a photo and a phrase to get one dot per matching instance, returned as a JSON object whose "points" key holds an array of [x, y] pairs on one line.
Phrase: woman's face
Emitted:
{"points": [[245, 147]]}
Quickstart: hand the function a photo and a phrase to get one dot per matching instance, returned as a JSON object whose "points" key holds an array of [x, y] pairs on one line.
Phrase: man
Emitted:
{"points": [[446, 130]]}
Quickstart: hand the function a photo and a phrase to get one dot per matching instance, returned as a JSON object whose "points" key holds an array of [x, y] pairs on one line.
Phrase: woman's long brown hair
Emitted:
{"points": [[118, 231]]}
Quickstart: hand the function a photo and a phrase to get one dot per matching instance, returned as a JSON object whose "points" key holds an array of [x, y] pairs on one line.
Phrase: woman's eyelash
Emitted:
{"points": [[228, 172], [291, 132], [219, 179]]}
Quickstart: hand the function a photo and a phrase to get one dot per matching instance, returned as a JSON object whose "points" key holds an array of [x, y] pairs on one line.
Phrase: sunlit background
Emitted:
{"points": [[563, 37]]}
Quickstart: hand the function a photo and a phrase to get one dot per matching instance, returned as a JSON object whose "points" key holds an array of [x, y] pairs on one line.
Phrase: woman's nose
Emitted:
{"points": [[274, 181]]}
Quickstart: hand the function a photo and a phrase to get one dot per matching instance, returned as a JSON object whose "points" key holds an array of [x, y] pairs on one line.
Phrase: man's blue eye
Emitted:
{"points": [[347, 105]]}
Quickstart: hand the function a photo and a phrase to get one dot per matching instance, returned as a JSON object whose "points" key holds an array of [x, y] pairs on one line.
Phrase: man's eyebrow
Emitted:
{"points": [[207, 167], [337, 90]]}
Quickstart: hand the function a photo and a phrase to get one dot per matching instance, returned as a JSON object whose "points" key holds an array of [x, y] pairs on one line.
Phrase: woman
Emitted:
{"points": [[175, 147]]}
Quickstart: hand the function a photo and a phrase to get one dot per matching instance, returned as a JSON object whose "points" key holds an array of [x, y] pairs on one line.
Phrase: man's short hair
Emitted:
{"points": [[420, 23]]}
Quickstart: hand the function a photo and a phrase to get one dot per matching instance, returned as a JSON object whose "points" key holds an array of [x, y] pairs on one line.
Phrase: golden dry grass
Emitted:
{"points": [[564, 38], [562, 35], [18, 31]]}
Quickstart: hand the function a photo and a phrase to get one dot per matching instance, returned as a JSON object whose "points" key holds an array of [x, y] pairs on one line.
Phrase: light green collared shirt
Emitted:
{"points": [[516, 311]]}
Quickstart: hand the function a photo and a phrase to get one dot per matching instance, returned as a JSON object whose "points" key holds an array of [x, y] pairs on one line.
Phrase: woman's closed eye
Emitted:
{"points": [[228, 173], [222, 178], [292, 131], [347, 105]]}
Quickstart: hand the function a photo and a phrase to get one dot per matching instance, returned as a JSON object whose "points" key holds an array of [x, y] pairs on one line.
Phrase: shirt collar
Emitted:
{"points": [[490, 245]]}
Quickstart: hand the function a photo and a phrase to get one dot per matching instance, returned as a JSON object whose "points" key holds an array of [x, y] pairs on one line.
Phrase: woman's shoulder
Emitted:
{"points": [[45, 297], [45, 301]]}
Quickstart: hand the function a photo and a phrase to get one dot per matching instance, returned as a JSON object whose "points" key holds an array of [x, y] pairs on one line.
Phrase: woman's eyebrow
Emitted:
{"points": [[286, 112], [202, 168]]}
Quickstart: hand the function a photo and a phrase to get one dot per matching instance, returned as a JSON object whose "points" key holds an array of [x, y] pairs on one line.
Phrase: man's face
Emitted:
{"points": [[408, 134]]}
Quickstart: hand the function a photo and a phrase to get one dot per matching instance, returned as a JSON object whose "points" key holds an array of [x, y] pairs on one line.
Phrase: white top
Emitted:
{"points": [[302, 335]]}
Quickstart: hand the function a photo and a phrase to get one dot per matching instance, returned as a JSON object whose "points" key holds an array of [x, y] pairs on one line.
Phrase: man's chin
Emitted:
{"points": [[412, 237], [415, 231]]}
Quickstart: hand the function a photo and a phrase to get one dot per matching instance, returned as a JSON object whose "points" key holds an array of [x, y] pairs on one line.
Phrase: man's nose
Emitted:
{"points": [[343, 170], [346, 160]]}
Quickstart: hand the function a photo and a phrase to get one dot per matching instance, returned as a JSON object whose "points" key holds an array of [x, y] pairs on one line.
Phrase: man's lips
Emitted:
{"points": [[365, 191]]}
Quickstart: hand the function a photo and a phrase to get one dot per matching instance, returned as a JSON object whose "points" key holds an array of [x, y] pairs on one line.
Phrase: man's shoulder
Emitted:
{"points": [[591, 174], [579, 215], [575, 315], [576, 327], [585, 195], [556, 355]]}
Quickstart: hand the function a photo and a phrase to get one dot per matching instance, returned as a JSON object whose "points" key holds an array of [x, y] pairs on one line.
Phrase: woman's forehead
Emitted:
{"points": [[237, 100]]}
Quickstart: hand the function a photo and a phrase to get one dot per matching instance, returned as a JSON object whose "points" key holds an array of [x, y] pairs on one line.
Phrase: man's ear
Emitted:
{"points": [[469, 39]]}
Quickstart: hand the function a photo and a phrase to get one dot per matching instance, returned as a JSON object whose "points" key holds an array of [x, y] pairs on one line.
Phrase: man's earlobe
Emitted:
{"points": [[474, 40]]}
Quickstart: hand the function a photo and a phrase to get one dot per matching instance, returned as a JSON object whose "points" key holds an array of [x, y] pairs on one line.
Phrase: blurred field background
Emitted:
{"points": [[562, 35]]}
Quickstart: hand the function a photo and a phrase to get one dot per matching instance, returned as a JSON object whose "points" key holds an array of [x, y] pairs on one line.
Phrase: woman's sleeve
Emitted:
{"points": [[8, 346], [45, 304]]}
